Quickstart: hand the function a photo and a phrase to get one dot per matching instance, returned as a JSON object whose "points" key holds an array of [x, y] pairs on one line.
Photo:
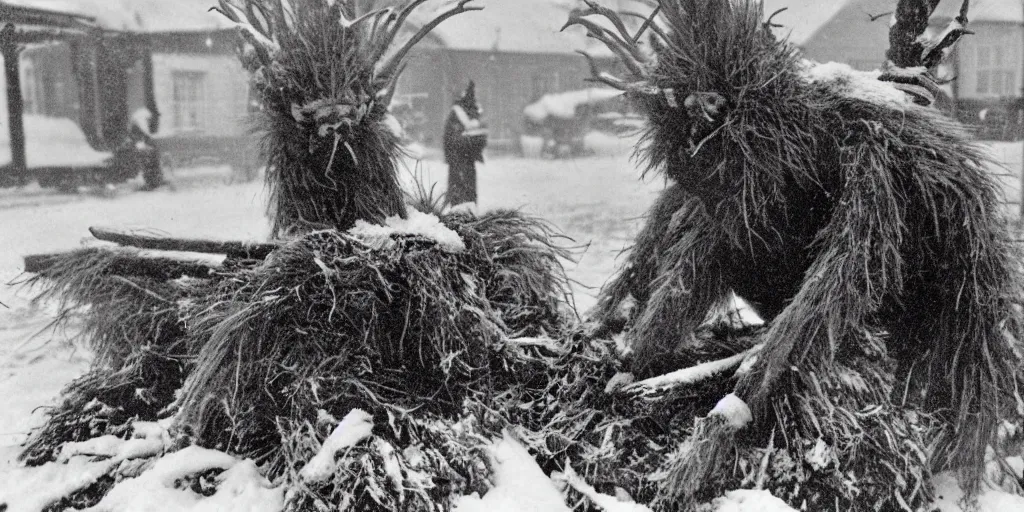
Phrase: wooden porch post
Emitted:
{"points": [[149, 87], [15, 105]]}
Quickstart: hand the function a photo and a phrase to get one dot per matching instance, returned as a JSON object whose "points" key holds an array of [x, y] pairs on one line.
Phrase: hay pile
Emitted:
{"points": [[260, 358]]}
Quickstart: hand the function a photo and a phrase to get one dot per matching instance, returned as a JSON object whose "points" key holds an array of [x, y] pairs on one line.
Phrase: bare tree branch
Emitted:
{"points": [[905, 48]]}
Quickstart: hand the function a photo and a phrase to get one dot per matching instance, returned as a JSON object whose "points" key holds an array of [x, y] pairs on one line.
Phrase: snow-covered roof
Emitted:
{"points": [[140, 15], [1009, 11]]}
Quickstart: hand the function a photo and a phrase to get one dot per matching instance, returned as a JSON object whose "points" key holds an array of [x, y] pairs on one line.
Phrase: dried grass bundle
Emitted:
{"points": [[133, 326], [414, 332]]}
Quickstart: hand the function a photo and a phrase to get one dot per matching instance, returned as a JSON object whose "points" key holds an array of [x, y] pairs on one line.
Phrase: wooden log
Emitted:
{"points": [[38, 263], [232, 249], [124, 264], [692, 375]]}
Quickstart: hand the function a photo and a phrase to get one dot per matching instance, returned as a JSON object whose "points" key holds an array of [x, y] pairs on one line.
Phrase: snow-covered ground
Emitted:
{"points": [[598, 201]]}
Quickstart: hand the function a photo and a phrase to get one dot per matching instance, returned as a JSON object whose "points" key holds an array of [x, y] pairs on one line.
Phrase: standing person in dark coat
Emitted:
{"points": [[465, 138]]}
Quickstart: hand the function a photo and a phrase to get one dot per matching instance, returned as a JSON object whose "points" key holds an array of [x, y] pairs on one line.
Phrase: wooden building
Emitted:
{"points": [[514, 50], [190, 78], [60, 64]]}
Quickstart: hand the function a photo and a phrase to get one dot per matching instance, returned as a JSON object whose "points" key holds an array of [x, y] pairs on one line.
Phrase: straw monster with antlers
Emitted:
{"points": [[360, 307], [864, 227], [325, 76]]}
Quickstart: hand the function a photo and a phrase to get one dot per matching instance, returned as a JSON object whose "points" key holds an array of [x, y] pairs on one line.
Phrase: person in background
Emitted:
{"points": [[465, 137], [143, 151]]}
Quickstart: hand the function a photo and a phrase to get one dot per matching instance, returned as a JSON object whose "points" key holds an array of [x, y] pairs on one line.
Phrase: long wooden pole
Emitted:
{"points": [[245, 250], [15, 106], [153, 267]]}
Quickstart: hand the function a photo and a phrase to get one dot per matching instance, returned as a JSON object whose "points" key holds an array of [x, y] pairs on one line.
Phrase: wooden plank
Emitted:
{"points": [[153, 267], [233, 249]]}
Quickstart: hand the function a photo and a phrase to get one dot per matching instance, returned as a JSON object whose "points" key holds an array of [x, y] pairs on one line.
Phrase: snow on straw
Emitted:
{"points": [[603, 501], [748, 500], [419, 224], [356, 426], [35, 488], [734, 410], [240, 488], [148, 439], [392, 468], [32, 489], [863, 85], [949, 497], [520, 484]]}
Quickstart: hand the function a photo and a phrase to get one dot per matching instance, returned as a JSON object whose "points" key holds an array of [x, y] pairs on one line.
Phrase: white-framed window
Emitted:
{"points": [[188, 99], [546, 83], [998, 65]]}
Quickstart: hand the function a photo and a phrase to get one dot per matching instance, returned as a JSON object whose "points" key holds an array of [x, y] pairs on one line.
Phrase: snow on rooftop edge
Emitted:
{"points": [[140, 15]]}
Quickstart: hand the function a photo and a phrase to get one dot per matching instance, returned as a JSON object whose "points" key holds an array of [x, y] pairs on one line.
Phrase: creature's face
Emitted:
{"points": [[324, 65], [710, 65]]}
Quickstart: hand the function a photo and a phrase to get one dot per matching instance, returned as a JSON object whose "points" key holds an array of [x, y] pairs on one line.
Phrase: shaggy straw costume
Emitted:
{"points": [[863, 227], [348, 308]]}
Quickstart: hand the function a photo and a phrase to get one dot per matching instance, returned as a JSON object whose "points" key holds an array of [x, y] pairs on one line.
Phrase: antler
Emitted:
{"points": [[262, 22], [388, 67], [635, 86], [623, 44], [939, 47], [255, 25]]}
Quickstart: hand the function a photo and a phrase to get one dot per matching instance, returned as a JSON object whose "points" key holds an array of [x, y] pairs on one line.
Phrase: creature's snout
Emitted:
{"points": [[705, 105], [331, 116]]}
